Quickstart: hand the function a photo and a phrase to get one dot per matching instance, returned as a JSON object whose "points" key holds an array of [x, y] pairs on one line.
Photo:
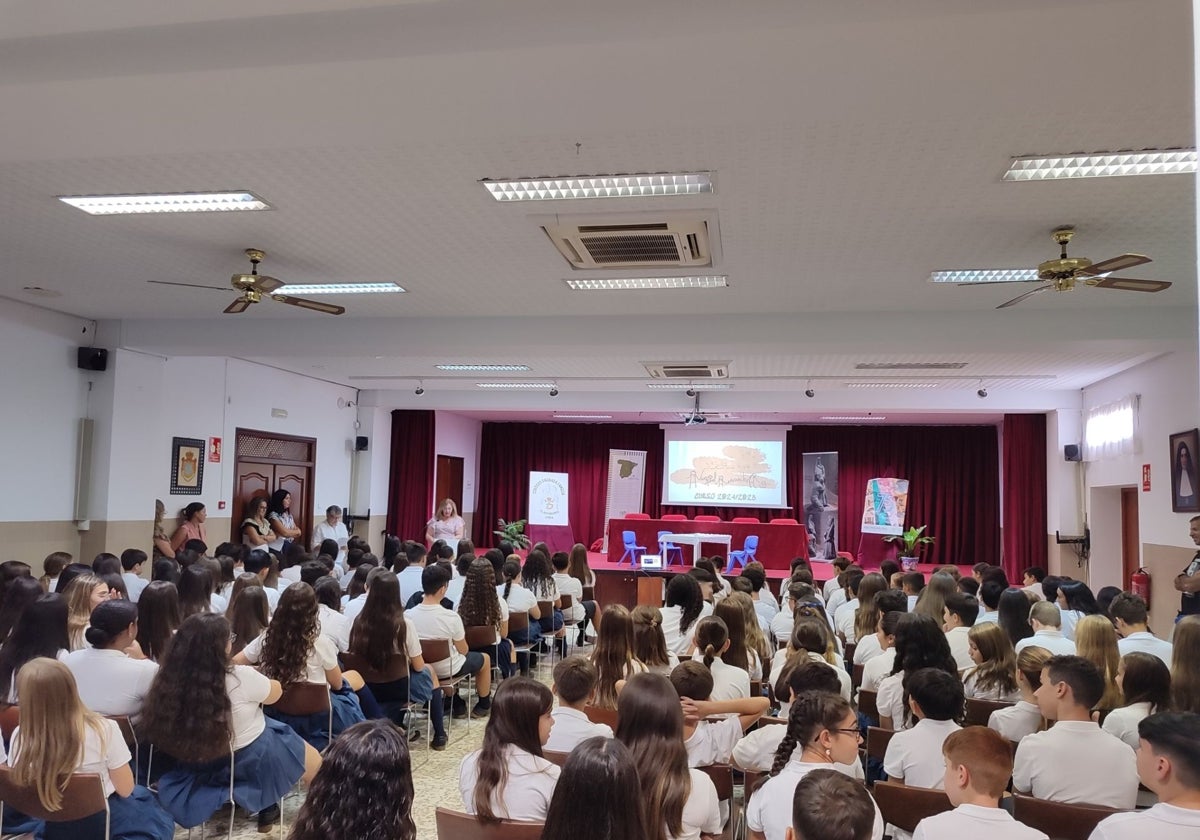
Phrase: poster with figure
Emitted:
{"points": [[821, 504], [1185, 485], [885, 506]]}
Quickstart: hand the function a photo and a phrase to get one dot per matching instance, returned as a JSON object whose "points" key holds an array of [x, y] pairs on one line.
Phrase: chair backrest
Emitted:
{"points": [[722, 778], [589, 593], [904, 806], [396, 668], [978, 711], [848, 651], [753, 778], [867, 704], [303, 699], [856, 676], [566, 600], [637, 516], [662, 534], [877, 741], [83, 797], [482, 635], [756, 688], [555, 757], [454, 825], [597, 714], [10, 718], [629, 539], [751, 543], [746, 520], [707, 517], [674, 517], [546, 608], [768, 720], [517, 620], [126, 726], [438, 650], [1058, 819], [783, 522]]}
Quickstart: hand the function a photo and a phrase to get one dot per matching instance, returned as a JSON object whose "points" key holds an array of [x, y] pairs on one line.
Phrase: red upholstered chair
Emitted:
{"points": [[847, 556], [674, 517], [707, 518], [744, 520], [637, 516], [782, 522]]}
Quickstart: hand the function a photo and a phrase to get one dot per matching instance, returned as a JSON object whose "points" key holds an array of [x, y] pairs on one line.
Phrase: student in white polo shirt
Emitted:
{"points": [[1128, 612], [870, 646], [1046, 620], [978, 763], [828, 806], [877, 668], [259, 563], [410, 576], [575, 687], [433, 621], [1075, 761], [112, 674], [958, 617], [711, 741], [914, 756], [1031, 582], [1145, 684], [131, 562], [1168, 762], [1024, 717]]}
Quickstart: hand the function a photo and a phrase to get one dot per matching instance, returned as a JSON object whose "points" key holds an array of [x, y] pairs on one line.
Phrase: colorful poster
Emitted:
{"points": [[548, 498], [626, 485], [885, 506], [821, 504]]}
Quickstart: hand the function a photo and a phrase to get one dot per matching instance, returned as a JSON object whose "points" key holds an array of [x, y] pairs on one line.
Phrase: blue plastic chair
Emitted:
{"points": [[745, 555], [632, 550], [665, 547]]}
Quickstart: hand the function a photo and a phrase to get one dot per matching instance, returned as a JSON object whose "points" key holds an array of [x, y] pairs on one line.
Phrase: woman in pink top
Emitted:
{"points": [[191, 527], [446, 523]]}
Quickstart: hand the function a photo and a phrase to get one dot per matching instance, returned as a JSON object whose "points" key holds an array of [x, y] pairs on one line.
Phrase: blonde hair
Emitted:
{"points": [[437, 514], [1096, 641], [79, 607], [53, 727]]}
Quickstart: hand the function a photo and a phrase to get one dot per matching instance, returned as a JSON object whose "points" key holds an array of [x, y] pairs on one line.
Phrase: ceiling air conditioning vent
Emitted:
{"points": [[680, 240], [687, 370]]}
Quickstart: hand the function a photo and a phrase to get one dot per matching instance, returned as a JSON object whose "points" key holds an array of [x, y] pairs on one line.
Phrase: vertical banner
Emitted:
{"points": [[885, 506], [548, 498], [821, 504], [626, 485]]}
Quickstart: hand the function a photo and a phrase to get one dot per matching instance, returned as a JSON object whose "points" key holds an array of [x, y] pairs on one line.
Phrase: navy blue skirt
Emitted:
{"points": [[264, 771], [314, 729], [135, 817]]}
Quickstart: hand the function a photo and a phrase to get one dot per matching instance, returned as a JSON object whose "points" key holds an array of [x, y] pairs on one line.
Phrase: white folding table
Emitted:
{"points": [[694, 540]]}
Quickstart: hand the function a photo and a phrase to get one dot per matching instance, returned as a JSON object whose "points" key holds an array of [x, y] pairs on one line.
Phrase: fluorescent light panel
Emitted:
{"points": [[874, 418], [910, 365], [891, 384], [683, 386], [600, 186], [1103, 165], [200, 202], [488, 368], [986, 275], [341, 289], [583, 416], [708, 281], [516, 386]]}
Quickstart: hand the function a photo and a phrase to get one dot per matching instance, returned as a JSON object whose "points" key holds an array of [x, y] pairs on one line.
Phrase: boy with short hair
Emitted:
{"points": [[914, 756], [1031, 581], [131, 562], [958, 616], [990, 591], [912, 585], [711, 742], [978, 763], [575, 686], [1075, 760], [410, 577], [434, 621], [259, 563], [1046, 620], [829, 806], [1129, 615]]}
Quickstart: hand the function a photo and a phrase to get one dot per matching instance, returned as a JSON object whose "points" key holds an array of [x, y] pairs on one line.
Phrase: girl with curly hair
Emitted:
{"points": [[201, 706], [537, 576], [920, 643], [292, 650], [364, 789], [613, 654], [481, 606]]}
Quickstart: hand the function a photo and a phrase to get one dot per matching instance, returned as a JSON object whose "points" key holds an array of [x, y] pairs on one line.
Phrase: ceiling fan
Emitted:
{"points": [[254, 286], [1062, 274]]}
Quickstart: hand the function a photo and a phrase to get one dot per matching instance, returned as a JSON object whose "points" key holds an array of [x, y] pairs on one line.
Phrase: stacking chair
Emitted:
{"points": [[519, 620], [856, 676], [867, 704], [454, 825], [482, 636], [597, 714], [83, 798], [744, 555], [555, 757], [632, 550], [904, 806], [877, 741], [666, 548], [722, 779], [978, 711], [1060, 820], [307, 700], [438, 650], [123, 723], [568, 604]]}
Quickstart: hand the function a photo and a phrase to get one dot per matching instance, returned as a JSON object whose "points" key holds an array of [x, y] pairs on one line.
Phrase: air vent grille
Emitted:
{"points": [[687, 370], [640, 248], [680, 240]]}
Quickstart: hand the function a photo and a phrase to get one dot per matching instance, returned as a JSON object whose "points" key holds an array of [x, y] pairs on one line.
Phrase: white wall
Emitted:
{"points": [[460, 437]]}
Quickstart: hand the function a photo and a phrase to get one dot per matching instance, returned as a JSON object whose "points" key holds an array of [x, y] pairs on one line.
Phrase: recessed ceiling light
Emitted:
{"points": [[874, 418], [891, 384], [38, 291], [582, 416], [493, 368], [684, 386], [600, 186], [516, 386], [986, 275], [717, 281], [1103, 165], [341, 289], [198, 202]]}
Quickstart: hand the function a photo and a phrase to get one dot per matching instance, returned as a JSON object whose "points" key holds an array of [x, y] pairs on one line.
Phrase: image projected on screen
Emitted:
{"points": [[726, 473]]}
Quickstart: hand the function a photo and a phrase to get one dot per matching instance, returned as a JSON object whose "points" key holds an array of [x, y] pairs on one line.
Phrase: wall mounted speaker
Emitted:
{"points": [[91, 358], [1072, 452], [360, 443]]}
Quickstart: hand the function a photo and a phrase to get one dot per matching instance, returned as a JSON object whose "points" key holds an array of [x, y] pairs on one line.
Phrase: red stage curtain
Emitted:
{"points": [[1024, 493], [410, 483]]}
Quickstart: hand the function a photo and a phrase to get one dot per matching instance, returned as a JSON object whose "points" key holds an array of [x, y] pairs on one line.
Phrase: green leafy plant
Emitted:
{"points": [[910, 541], [513, 532]]}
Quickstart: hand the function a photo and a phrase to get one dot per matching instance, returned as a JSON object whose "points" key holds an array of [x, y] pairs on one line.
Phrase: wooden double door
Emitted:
{"points": [[266, 462]]}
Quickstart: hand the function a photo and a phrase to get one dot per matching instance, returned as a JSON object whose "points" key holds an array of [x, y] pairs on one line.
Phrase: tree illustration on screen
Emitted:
{"points": [[741, 466]]}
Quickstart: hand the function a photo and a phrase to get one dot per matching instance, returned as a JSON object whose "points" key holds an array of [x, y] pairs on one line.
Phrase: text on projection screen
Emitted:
{"points": [[725, 467]]}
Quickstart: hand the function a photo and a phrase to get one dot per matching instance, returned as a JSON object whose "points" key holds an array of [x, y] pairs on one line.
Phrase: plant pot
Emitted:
{"points": [[909, 564]]}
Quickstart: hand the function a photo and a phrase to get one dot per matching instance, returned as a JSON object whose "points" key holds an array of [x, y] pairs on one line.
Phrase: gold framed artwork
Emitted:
{"points": [[187, 466]]}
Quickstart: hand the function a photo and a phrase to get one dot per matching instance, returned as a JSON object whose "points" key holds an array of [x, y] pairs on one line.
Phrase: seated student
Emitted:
{"points": [[1024, 717], [433, 621], [870, 645], [828, 806], [912, 585], [994, 675], [460, 567], [1074, 760], [684, 606], [259, 563], [990, 590], [1145, 684], [1031, 582], [508, 778], [822, 730], [879, 667], [978, 763], [410, 576], [797, 593], [1046, 619], [601, 773], [356, 591], [920, 643], [649, 644], [1168, 760], [711, 742], [132, 560], [681, 802], [613, 654], [958, 617], [333, 623], [519, 599], [112, 674], [837, 566], [1128, 612], [914, 756], [712, 640], [58, 736], [843, 616], [812, 637], [575, 687], [480, 606], [758, 577]]}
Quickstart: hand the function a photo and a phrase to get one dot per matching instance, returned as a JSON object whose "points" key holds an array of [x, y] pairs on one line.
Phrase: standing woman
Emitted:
{"points": [[83, 595], [58, 736], [283, 525], [158, 618], [613, 654], [256, 528], [446, 524], [162, 543], [200, 706], [191, 526], [601, 772], [1096, 641], [41, 631]]}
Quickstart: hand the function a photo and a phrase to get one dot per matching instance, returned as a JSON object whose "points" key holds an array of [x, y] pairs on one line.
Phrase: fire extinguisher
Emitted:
{"points": [[1139, 584]]}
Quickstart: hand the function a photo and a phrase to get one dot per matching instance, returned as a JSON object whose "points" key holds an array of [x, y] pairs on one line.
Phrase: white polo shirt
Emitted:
{"points": [[890, 700], [1069, 619], [1146, 643], [877, 669], [756, 751], [247, 689], [433, 621], [973, 692], [729, 682], [322, 657], [781, 657], [781, 625], [527, 792], [1123, 722], [572, 726], [568, 585], [410, 581], [134, 584], [713, 742], [987, 616], [519, 598], [111, 683], [867, 648], [976, 822], [843, 619], [1014, 723], [702, 810], [915, 755], [354, 606], [960, 647], [1077, 762], [335, 626], [1162, 822], [1052, 640], [770, 809]]}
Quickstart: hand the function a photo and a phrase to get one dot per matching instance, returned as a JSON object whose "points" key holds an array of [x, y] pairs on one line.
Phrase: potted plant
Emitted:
{"points": [[910, 543], [513, 532]]}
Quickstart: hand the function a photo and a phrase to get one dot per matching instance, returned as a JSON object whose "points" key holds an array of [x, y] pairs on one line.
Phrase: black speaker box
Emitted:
{"points": [[91, 358], [360, 443], [1072, 452]]}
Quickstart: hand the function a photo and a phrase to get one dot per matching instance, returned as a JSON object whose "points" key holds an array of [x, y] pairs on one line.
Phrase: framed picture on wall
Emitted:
{"points": [[1185, 484], [187, 466]]}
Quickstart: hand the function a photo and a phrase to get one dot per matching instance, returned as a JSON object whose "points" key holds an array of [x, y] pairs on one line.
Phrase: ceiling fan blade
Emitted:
{"points": [[1115, 264], [239, 305], [189, 285], [266, 284], [1130, 284], [314, 305], [1020, 298]]}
